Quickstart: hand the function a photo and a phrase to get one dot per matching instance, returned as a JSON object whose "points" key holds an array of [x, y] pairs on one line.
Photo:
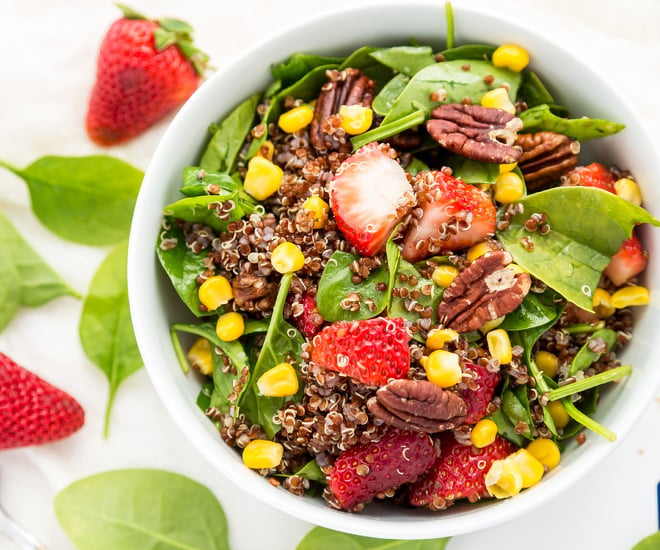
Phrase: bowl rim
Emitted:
{"points": [[190, 423]]}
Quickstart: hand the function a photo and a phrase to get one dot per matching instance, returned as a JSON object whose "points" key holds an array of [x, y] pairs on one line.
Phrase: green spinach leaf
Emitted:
{"points": [[652, 542], [541, 118], [407, 60], [106, 330], [370, 66], [10, 280], [473, 171], [321, 538], [536, 310], [86, 200], [384, 100], [515, 405], [312, 471], [298, 65], [506, 428], [141, 508], [202, 209], [585, 356], [468, 52], [196, 181]]}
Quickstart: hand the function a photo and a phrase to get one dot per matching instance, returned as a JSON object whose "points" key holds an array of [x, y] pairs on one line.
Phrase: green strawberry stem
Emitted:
{"points": [[577, 415], [591, 382]]}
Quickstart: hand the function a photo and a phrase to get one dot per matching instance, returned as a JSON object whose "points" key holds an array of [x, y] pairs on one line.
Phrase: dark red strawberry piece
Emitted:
{"points": [[479, 391], [628, 262], [592, 175], [305, 314]]}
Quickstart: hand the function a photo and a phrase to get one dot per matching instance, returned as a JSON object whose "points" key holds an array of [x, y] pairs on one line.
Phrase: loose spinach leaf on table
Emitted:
{"points": [[322, 538], [652, 542], [141, 508], [587, 225], [10, 280], [106, 330], [87, 200], [541, 118]]}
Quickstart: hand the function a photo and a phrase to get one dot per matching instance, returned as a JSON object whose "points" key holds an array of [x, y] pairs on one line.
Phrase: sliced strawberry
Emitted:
{"points": [[628, 262], [363, 471], [455, 215], [479, 392], [369, 195], [372, 351], [592, 175], [459, 473]]}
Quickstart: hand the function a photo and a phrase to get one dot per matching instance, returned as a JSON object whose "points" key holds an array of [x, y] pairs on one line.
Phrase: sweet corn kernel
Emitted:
{"points": [[530, 467], [546, 452], [511, 57], [499, 345], [602, 303], [498, 99], [443, 368], [287, 258], [491, 325], [443, 275], [517, 268], [629, 190], [230, 326], [263, 178], [319, 208], [503, 479], [507, 167], [355, 119], [280, 381], [200, 356], [508, 188], [438, 337], [261, 453], [215, 292], [483, 433], [479, 249], [547, 362], [296, 119], [631, 296], [266, 150], [558, 413]]}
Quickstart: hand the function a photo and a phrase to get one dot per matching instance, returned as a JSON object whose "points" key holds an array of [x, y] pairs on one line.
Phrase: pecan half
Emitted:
{"points": [[546, 157], [485, 290], [252, 292], [347, 87], [476, 132], [417, 405]]}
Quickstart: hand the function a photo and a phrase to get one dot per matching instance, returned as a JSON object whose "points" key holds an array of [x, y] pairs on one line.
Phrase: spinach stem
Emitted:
{"points": [[178, 350], [584, 328], [449, 14], [108, 408], [11, 168], [591, 382], [389, 129], [587, 422]]}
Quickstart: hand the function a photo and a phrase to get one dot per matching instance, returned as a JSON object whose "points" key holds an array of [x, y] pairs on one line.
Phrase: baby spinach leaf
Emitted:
{"points": [[541, 118], [106, 330], [506, 428], [473, 171], [405, 59], [585, 357], [415, 166], [320, 537], [468, 52], [298, 65], [141, 508], [86, 200], [202, 210], [312, 472], [336, 284], [363, 60], [10, 280], [587, 227], [652, 542], [222, 151], [283, 343], [196, 181], [536, 309], [384, 100], [533, 92], [515, 406]]}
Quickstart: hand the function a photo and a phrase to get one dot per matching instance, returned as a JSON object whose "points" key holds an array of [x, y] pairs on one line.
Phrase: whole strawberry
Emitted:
{"points": [[372, 351], [459, 473], [363, 471], [478, 392], [145, 69], [32, 411]]}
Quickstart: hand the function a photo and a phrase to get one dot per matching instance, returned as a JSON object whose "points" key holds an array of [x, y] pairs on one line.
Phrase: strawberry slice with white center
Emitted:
{"points": [[369, 195], [628, 262], [454, 215]]}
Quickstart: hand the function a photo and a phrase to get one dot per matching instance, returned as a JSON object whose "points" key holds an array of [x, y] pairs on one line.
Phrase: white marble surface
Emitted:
{"points": [[47, 56]]}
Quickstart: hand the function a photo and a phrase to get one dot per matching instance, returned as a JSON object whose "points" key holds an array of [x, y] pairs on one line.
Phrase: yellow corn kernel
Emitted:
{"points": [[355, 119], [628, 189], [508, 188], [230, 326], [530, 467], [498, 99], [319, 208], [507, 167], [602, 303], [266, 150], [517, 268], [483, 433], [558, 413], [479, 249], [263, 178], [511, 57], [503, 479], [438, 337], [296, 119], [262, 453], [215, 292], [547, 362], [631, 296], [443, 275], [443, 368], [200, 356], [491, 325], [280, 381], [546, 452], [287, 258], [499, 345]]}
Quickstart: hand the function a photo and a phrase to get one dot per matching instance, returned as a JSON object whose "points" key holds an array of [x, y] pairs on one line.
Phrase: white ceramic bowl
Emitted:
{"points": [[154, 305]]}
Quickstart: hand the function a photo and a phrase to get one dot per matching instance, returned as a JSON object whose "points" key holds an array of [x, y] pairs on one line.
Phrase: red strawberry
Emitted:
{"points": [[363, 471], [369, 194], [629, 261], [305, 314], [592, 175], [32, 411], [479, 392], [459, 473], [145, 69], [372, 351], [455, 215]]}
